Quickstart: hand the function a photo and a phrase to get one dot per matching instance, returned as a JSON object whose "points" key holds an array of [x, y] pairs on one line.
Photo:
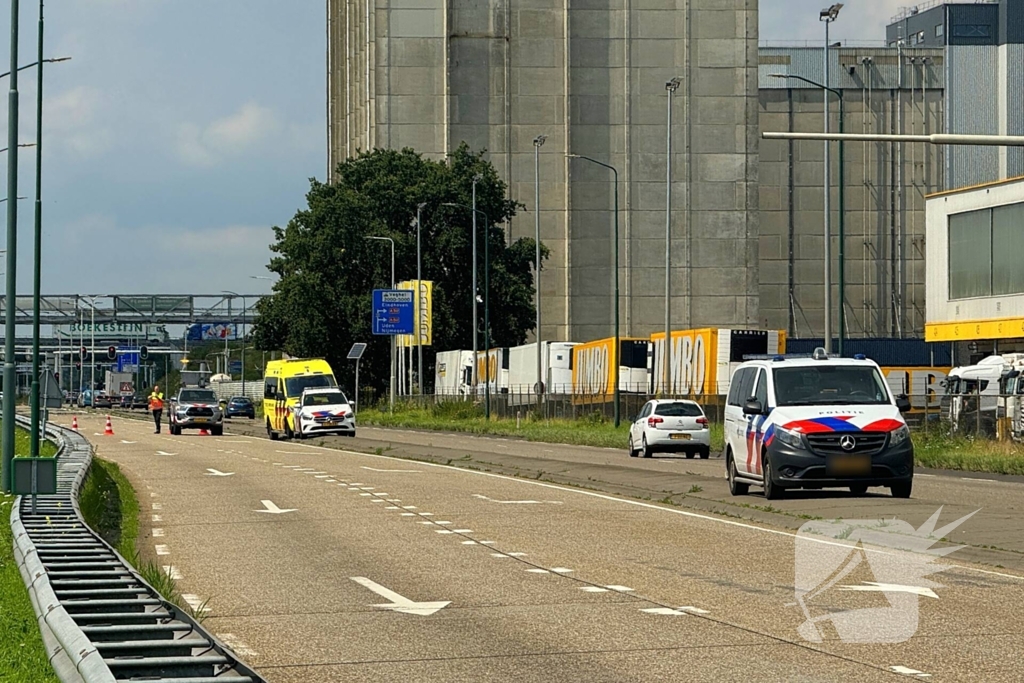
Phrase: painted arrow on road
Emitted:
{"points": [[399, 603], [273, 509], [217, 473]]}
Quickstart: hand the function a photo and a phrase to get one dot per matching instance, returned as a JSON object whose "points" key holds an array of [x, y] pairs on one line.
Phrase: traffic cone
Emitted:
{"points": [[74, 422], [203, 432], [109, 429]]}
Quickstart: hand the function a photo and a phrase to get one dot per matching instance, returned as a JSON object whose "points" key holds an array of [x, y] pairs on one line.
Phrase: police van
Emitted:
{"points": [[815, 423]]}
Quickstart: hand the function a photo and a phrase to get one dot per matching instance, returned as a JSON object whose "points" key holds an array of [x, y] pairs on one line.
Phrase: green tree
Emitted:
{"points": [[327, 270]]}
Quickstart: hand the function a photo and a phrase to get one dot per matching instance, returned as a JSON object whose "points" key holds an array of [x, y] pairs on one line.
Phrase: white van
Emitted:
{"points": [[814, 423]]}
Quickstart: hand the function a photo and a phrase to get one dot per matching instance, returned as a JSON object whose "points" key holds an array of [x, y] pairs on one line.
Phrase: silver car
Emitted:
{"points": [[193, 408]]}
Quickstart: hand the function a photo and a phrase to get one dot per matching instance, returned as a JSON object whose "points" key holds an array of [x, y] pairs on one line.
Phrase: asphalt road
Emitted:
{"points": [[319, 564]]}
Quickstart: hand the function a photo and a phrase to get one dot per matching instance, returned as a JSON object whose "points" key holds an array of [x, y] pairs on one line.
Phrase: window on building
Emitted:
{"points": [[1007, 230], [970, 254], [972, 31], [982, 255], [939, 30]]}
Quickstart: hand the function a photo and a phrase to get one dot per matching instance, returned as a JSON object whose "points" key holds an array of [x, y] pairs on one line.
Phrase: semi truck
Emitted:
{"points": [[703, 360], [555, 369], [453, 373], [593, 364]]}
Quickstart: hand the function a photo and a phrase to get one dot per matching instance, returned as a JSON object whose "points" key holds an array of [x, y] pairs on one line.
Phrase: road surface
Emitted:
{"points": [[329, 565]]}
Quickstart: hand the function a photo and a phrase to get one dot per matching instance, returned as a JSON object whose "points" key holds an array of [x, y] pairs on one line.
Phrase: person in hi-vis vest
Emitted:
{"points": [[156, 404]]}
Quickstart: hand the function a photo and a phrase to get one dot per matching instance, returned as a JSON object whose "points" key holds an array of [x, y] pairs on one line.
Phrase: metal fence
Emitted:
{"points": [[1000, 416]]}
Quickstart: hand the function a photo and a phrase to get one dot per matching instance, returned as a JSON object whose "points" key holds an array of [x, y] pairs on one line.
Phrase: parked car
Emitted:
{"points": [[670, 425], [240, 406]]}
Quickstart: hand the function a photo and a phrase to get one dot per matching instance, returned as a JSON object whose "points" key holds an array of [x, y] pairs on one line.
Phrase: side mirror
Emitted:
{"points": [[753, 407], [903, 403]]}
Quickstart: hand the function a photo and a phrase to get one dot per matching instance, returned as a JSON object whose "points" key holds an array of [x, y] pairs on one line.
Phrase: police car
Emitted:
{"points": [[814, 423], [321, 411]]}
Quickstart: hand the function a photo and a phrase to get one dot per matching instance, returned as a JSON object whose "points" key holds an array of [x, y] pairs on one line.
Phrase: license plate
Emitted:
{"points": [[848, 465], [681, 437], [201, 419], [331, 423]]}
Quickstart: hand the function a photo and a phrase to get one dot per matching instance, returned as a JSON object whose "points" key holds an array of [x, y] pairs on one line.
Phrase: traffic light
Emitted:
{"points": [[143, 352], [111, 353]]}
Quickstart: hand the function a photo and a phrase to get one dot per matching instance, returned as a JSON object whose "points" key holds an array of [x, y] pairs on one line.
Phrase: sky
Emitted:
{"points": [[182, 130]]}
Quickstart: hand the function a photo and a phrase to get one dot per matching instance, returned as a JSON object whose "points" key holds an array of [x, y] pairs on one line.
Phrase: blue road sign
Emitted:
{"points": [[393, 311], [127, 360], [235, 366]]}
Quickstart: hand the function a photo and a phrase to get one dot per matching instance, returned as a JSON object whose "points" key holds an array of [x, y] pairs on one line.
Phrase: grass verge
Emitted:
{"points": [[954, 452], [110, 507], [460, 416], [22, 656], [22, 444]]}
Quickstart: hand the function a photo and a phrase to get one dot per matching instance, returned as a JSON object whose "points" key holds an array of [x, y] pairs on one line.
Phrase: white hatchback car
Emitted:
{"points": [[672, 426]]}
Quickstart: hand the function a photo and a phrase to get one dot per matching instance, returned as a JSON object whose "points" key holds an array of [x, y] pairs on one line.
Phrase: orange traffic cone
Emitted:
{"points": [[203, 432], [74, 422], [109, 429]]}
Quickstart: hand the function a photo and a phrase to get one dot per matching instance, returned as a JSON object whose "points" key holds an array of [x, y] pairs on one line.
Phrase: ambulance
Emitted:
{"points": [[815, 423], [283, 384]]}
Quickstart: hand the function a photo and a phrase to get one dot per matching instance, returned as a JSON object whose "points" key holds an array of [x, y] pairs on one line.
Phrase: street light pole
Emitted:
{"points": [[670, 88], [419, 294], [244, 308], [10, 379], [538, 142], [486, 298], [38, 248], [391, 400], [476, 320], [618, 346], [827, 16]]}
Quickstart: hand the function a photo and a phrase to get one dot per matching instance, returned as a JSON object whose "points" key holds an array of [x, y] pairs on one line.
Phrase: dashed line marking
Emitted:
{"points": [[195, 602], [323, 476], [593, 589], [426, 514], [469, 543], [404, 514], [907, 671], [232, 641], [443, 531], [365, 494], [538, 571], [158, 506], [462, 531], [395, 507], [158, 518], [157, 533], [620, 589], [409, 507], [376, 500], [561, 570], [172, 572], [162, 550]]}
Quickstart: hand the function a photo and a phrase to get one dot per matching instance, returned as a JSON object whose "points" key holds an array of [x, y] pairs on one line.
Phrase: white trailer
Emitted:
{"points": [[453, 373], [556, 370]]}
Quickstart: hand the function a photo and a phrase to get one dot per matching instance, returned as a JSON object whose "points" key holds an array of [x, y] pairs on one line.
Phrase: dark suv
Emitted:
{"points": [[240, 406]]}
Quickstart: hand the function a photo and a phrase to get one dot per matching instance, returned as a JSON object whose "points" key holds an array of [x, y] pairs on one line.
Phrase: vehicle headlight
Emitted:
{"points": [[899, 435], [793, 439]]}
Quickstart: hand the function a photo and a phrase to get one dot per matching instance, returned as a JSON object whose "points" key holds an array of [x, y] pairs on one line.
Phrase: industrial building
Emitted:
{"points": [[430, 74], [747, 221]]}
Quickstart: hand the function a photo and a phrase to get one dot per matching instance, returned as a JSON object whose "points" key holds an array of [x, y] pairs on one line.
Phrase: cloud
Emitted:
{"points": [[248, 128], [74, 120], [797, 20]]}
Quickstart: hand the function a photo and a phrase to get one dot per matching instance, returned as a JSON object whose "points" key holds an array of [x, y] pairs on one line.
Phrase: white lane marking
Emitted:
{"points": [[323, 476], [621, 589], [277, 464], [152, 495], [499, 555], [318, 473], [330, 481], [157, 533], [172, 571], [398, 603], [516, 502], [394, 500], [650, 506], [872, 586], [158, 506], [305, 469], [409, 507], [292, 467], [593, 589], [271, 508], [370, 488], [462, 531], [123, 441], [426, 514], [907, 671], [561, 570], [382, 495], [395, 507], [237, 441], [404, 514], [662, 610], [430, 523], [291, 452], [210, 472], [233, 641], [162, 550], [356, 483], [469, 543], [538, 571], [195, 602], [443, 531], [365, 494], [486, 542], [376, 500], [374, 469], [158, 518], [516, 554], [165, 453], [693, 610]]}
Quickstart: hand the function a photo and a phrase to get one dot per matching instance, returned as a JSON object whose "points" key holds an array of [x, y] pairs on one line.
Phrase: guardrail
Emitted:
{"points": [[100, 621]]}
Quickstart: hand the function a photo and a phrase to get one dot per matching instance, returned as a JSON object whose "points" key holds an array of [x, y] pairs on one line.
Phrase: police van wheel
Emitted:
{"points": [[736, 488], [772, 491], [901, 490]]}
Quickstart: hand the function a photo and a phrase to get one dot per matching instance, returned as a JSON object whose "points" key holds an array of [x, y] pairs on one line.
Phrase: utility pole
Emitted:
{"points": [[827, 16], [419, 295], [670, 88], [10, 386], [38, 248], [538, 142], [476, 319]]}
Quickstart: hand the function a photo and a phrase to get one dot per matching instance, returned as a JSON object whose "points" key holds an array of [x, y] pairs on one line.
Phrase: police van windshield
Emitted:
{"points": [[333, 398], [830, 385], [294, 386]]}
